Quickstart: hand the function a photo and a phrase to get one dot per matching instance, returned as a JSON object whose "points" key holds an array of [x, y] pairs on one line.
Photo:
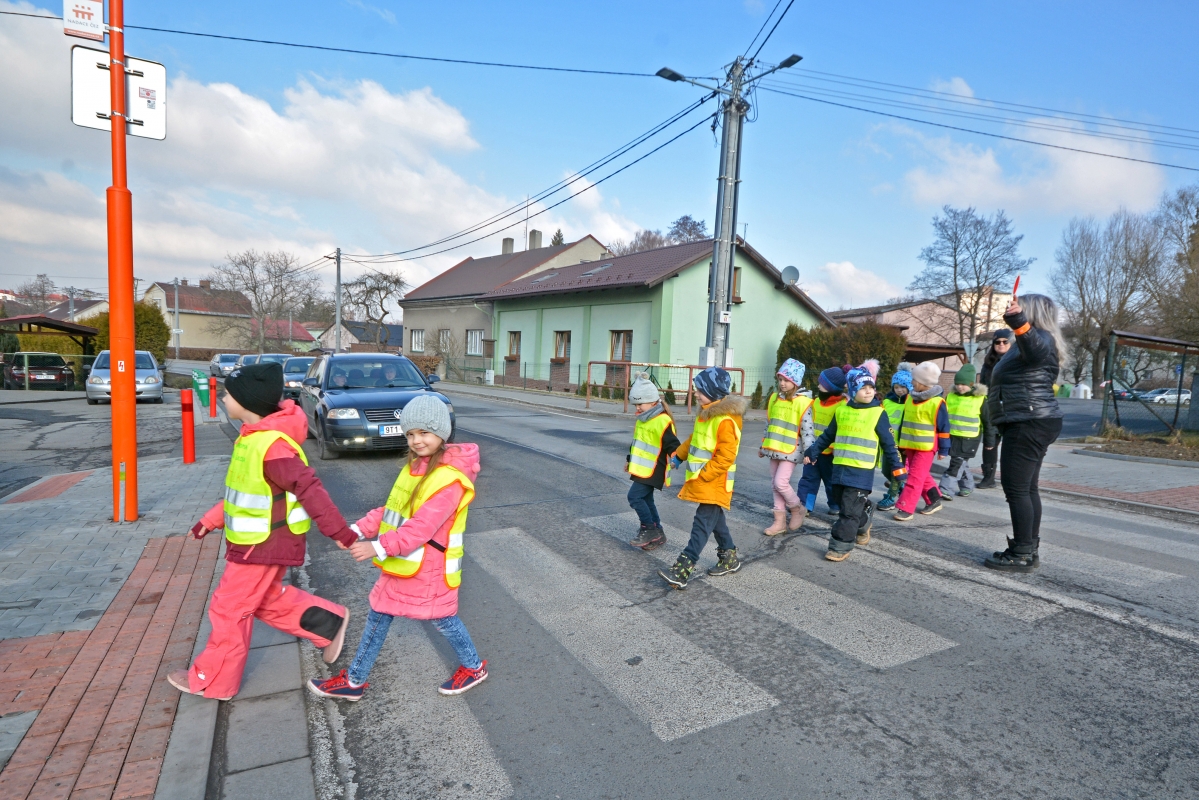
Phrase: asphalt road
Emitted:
{"points": [[906, 671]]}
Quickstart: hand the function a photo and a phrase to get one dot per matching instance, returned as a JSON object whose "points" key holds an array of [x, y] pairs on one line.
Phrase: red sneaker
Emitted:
{"points": [[464, 680], [338, 687]]}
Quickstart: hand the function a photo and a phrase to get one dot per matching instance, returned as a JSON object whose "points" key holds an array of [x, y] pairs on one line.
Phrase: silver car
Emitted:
{"points": [[149, 378], [222, 364]]}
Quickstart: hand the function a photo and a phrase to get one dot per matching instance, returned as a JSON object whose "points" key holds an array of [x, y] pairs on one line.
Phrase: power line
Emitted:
{"points": [[772, 30], [354, 51], [765, 22], [980, 133]]}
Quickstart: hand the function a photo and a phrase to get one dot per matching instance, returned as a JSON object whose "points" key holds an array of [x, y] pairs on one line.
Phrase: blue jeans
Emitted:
{"points": [[709, 519], [641, 498], [375, 632], [809, 482]]}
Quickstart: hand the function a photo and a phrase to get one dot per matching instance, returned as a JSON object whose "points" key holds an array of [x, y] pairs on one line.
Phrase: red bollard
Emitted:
{"points": [[189, 427], [211, 397]]}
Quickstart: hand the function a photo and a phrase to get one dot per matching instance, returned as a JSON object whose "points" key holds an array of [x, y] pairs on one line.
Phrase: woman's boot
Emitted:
{"points": [[798, 513], [779, 525], [1019, 557]]}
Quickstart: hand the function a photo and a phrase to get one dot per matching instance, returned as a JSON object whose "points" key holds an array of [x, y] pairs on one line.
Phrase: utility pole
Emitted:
{"points": [[337, 304], [716, 351], [290, 344], [176, 319], [71, 303]]}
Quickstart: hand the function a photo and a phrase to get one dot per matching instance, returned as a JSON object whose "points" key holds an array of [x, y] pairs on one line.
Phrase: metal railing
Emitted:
{"points": [[624, 370]]}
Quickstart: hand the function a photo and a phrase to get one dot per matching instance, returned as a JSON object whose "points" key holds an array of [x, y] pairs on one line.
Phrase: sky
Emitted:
{"points": [[301, 150]]}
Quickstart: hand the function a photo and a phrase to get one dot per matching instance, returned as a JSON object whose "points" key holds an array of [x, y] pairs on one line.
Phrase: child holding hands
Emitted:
{"points": [[789, 422], [654, 441], [923, 437]]}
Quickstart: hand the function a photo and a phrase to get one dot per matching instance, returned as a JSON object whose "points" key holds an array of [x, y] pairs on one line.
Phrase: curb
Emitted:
{"points": [[1172, 462], [45, 400], [678, 412], [1131, 504]]}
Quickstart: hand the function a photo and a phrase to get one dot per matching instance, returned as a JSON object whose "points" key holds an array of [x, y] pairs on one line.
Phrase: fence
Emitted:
{"points": [[1149, 382]]}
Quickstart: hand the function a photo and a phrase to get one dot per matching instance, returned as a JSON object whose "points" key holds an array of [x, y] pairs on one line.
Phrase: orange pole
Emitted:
{"points": [[189, 427], [211, 397], [120, 287]]}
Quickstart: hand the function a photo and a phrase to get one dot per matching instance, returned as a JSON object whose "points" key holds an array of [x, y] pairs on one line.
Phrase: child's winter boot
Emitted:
{"points": [[678, 575], [864, 530], [726, 562], [649, 537], [779, 525], [798, 514], [988, 481]]}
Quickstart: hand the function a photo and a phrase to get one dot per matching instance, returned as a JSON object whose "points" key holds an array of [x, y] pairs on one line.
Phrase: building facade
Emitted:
{"points": [[209, 318]]}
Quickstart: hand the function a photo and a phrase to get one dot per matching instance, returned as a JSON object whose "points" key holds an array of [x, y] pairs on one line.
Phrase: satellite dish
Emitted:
{"points": [[790, 275]]}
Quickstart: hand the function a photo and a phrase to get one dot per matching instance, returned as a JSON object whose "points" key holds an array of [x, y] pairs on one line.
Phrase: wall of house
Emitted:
{"points": [[199, 330], [457, 316]]}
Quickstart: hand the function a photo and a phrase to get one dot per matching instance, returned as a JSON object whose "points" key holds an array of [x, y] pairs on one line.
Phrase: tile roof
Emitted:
{"points": [[276, 329], [476, 276], [207, 301], [63, 310], [861, 312], [365, 331]]}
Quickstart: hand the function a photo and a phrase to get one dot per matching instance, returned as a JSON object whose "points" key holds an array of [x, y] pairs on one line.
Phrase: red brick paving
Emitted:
{"points": [[106, 708], [51, 487], [1184, 497]]}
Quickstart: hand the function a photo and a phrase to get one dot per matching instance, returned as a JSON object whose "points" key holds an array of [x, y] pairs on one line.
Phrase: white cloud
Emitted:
{"points": [[841, 284], [384, 14], [956, 86]]}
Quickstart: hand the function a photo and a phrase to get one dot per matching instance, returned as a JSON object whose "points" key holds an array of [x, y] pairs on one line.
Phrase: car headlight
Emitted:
{"points": [[98, 380], [293, 384], [343, 413], [151, 379]]}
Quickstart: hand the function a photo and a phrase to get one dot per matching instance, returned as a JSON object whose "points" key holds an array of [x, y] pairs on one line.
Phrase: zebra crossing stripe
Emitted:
{"points": [[1138, 541], [854, 628], [669, 683]]}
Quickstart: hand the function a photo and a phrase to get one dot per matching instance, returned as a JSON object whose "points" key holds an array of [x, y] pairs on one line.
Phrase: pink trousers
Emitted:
{"points": [[247, 592], [780, 482], [920, 479]]}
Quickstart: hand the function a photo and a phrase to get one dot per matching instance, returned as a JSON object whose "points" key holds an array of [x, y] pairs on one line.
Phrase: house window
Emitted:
{"points": [[737, 285], [418, 340], [445, 341], [561, 344], [474, 343], [622, 346], [514, 343]]}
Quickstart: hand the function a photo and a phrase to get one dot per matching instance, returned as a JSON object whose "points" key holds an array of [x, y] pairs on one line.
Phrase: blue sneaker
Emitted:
{"points": [[886, 504], [464, 680], [338, 687], [834, 511]]}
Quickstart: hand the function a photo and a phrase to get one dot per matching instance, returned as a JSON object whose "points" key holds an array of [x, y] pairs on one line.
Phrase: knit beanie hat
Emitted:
{"points": [[257, 388], [926, 372], [1002, 333], [793, 371], [965, 375], [643, 390], [903, 375], [864, 375], [714, 382], [832, 380], [426, 412]]}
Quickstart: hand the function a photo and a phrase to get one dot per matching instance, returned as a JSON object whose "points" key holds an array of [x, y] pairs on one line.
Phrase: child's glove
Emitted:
{"points": [[674, 462], [198, 531]]}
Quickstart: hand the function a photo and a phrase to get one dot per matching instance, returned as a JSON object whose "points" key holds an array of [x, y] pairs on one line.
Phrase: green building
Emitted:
{"points": [[646, 307]]}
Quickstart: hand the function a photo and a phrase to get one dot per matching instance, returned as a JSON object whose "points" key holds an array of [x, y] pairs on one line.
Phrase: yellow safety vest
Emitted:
{"points": [[822, 415], [918, 431], [965, 412], [398, 504], [782, 425], [703, 443], [894, 412], [248, 496], [647, 446], [857, 439]]}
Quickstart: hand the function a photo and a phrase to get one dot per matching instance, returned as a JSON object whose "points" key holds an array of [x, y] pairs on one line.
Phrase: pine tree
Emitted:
{"points": [[558, 239], [669, 394], [755, 399]]}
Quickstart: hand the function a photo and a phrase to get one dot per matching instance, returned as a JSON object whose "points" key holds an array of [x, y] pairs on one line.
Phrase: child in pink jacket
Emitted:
{"points": [[416, 541]]}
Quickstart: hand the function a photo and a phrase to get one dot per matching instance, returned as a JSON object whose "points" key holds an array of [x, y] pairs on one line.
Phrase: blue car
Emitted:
{"points": [[353, 401]]}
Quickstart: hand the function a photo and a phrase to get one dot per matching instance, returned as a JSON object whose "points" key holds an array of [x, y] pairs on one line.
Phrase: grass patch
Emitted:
{"points": [[1179, 446]]}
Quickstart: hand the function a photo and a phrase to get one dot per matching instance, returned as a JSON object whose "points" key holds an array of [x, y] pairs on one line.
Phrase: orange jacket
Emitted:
{"points": [[708, 486]]}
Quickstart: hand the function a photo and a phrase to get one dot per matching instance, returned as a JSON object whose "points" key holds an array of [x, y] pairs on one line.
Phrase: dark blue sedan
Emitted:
{"points": [[353, 401]]}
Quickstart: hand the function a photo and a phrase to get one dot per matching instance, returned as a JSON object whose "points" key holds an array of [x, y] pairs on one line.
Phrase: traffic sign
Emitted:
{"points": [[83, 18], [145, 92]]}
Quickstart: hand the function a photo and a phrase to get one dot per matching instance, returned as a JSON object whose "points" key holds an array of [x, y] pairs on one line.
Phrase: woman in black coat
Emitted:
{"points": [[1022, 406]]}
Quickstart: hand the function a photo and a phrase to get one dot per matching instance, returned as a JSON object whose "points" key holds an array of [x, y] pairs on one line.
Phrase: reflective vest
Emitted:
{"points": [[822, 415], [857, 438], [782, 425], [965, 414], [248, 496], [894, 411], [647, 446], [398, 504], [918, 431], [703, 443]]}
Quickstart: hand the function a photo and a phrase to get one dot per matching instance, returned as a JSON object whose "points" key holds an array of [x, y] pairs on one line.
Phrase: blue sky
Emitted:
{"points": [[273, 147]]}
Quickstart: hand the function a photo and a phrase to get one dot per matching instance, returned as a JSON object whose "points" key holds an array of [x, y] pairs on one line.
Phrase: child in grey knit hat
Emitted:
{"points": [[654, 439]]}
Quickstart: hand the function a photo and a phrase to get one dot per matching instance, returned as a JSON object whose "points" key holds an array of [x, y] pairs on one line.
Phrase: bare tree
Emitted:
{"points": [[36, 293], [1177, 293], [452, 352], [373, 296], [971, 256], [686, 229], [274, 284], [642, 240]]}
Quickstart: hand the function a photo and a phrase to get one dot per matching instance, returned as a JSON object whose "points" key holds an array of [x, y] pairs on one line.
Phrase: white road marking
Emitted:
{"points": [[854, 628], [671, 684], [1138, 541]]}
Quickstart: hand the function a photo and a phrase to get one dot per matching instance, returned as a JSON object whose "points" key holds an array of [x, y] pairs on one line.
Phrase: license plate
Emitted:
{"points": [[391, 430], [43, 377]]}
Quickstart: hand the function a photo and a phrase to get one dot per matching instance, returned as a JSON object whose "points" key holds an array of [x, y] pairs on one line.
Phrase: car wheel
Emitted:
{"points": [[327, 453], [92, 401], [158, 401]]}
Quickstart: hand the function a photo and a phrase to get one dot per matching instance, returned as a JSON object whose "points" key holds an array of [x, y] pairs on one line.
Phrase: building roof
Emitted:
{"points": [[475, 276], [27, 322], [645, 269], [202, 300], [276, 329], [867, 311], [365, 331], [63, 310]]}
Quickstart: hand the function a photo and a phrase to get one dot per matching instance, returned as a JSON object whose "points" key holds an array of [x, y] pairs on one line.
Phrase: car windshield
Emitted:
{"points": [[228, 358], [298, 364], [363, 373], [273, 358], [249, 360], [40, 360], [144, 361]]}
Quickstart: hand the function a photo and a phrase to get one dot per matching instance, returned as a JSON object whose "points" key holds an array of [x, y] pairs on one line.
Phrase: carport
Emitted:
{"points": [[39, 325]]}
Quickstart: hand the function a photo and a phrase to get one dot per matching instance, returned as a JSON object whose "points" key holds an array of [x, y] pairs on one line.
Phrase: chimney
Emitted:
{"points": [[534, 240], [508, 243], [205, 284], [183, 281]]}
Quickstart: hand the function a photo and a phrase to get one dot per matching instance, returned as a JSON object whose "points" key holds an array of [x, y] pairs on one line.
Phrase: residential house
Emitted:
{"points": [[83, 309], [209, 318], [650, 306], [361, 336], [450, 310]]}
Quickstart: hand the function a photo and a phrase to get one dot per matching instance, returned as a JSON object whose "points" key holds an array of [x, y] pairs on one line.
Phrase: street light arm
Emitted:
{"points": [[677, 77], [787, 63]]}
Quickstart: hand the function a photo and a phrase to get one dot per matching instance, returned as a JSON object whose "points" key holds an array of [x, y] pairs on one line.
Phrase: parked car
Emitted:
{"points": [[46, 371], [222, 364], [1152, 395], [244, 360], [1169, 397], [353, 401], [274, 358], [146, 371], [294, 371]]}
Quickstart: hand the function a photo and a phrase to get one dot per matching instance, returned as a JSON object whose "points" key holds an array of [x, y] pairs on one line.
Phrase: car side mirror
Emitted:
{"points": [[312, 381], [432, 378]]}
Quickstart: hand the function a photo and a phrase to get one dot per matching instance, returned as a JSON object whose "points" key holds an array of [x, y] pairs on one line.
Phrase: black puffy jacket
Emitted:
{"points": [[1021, 386]]}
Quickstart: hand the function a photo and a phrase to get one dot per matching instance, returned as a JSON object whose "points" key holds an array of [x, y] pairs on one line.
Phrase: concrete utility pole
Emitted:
{"points": [[176, 319], [716, 351], [71, 303], [337, 311]]}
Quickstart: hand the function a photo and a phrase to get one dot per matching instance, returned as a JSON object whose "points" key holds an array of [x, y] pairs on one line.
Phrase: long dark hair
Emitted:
{"points": [[434, 463], [992, 357]]}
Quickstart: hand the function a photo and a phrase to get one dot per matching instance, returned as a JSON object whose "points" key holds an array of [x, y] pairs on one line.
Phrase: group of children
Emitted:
{"points": [[841, 437]]}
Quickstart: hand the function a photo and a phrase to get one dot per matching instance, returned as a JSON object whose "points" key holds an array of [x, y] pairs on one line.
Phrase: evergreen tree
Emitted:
{"points": [[558, 239], [755, 399]]}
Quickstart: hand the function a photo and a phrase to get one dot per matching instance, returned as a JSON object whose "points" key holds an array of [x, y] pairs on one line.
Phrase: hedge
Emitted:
{"points": [[821, 348]]}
